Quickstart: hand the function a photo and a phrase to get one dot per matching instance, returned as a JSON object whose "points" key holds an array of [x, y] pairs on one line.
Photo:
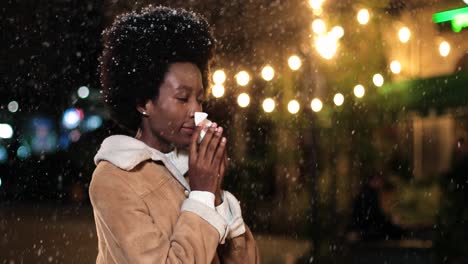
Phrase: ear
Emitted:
{"points": [[145, 107]]}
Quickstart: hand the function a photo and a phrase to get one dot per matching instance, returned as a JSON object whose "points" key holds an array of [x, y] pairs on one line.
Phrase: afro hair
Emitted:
{"points": [[138, 50]]}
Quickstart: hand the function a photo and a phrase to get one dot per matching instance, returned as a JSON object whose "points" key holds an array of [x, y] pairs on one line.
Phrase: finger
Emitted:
{"points": [[219, 154], [210, 153], [222, 168], [206, 140], [194, 143]]}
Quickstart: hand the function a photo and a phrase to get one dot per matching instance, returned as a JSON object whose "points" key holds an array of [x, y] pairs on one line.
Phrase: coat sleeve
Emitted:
{"points": [[132, 236], [240, 249]]}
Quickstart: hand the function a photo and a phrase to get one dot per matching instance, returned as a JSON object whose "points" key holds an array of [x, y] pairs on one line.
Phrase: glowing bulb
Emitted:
{"points": [[316, 105], [318, 26], [23, 152], [218, 90], [72, 118], [444, 49], [404, 34], [219, 77], [378, 80], [359, 91], [326, 46], [268, 105], [363, 16], [243, 100], [338, 99], [242, 78], [337, 32], [3, 154], [316, 4], [13, 106], [395, 67], [83, 92], [268, 73], [6, 131], [293, 107], [294, 63]]}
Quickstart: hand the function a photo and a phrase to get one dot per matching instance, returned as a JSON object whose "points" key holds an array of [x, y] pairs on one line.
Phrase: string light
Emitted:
{"points": [[395, 67], [326, 46], [268, 105], [242, 78], [363, 16], [293, 107], [337, 32], [294, 62], [218, 90], [316, 4], [378, 80], [359, 91], [444, 49], [268, 73], [404, 34], [316, 105], [338, 99], [318, 26], [219, 77], [243, 100]]}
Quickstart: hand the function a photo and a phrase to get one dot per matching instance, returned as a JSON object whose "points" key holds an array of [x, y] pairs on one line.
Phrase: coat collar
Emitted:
{"points": [[127, 152]]}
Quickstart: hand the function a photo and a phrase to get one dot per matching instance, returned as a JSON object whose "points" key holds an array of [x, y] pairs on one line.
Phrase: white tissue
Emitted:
{"points": [[201, 118]]}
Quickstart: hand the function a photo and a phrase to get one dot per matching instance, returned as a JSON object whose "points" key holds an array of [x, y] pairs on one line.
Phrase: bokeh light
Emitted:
{"points": [[316, 105], [93, 122], [268, 105], [219, 77], [23, 152], [326, 46], [395, 67], [6, 131], [217, 90], [378, 80], [359, 91], [444, 48], [337, 32], [242, 78], [316, 4], [243, 100], [3, 154], [318, 26], [268, 73], [83, 92], [293, 106], [13, 106], [72, 118], [404, 34], [294, 62], [363, 16], [338, 99]]}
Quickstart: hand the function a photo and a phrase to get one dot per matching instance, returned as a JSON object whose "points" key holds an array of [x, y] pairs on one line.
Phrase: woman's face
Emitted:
{"points": [[171, 115]]}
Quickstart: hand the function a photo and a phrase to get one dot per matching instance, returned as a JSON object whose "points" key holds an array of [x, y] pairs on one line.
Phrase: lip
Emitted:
{"points": [[189, 130]]}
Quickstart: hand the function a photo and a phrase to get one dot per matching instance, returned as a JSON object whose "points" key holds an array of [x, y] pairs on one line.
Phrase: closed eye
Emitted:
{"points": [[183, 99]]}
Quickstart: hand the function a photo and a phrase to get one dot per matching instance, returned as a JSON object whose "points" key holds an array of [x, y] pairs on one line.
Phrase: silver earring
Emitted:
{"points": [[144, 113]]}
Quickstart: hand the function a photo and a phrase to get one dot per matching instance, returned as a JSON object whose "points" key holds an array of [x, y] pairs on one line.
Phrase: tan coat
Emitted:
{"points": [[139, 220]]}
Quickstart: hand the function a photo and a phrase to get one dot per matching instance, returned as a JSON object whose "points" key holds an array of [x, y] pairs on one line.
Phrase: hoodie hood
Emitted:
{"points": [[127, 152]]}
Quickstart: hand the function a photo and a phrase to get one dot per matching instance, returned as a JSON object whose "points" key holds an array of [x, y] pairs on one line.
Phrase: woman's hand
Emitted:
{"points": [[222, 171], [205, 160]]}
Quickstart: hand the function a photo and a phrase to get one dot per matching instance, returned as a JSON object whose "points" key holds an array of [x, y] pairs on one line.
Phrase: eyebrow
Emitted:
{"points": [[189, 88]]}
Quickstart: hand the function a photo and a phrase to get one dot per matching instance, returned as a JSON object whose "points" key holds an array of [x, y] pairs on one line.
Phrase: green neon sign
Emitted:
{"points": [[458, 18]]}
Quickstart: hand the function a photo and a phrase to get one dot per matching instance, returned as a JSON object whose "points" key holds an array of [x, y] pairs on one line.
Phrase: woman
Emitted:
{"points": [[151, 203]]}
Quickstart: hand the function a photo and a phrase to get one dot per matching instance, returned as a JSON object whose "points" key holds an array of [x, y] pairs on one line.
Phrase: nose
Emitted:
{"points": [[196, 107]]}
